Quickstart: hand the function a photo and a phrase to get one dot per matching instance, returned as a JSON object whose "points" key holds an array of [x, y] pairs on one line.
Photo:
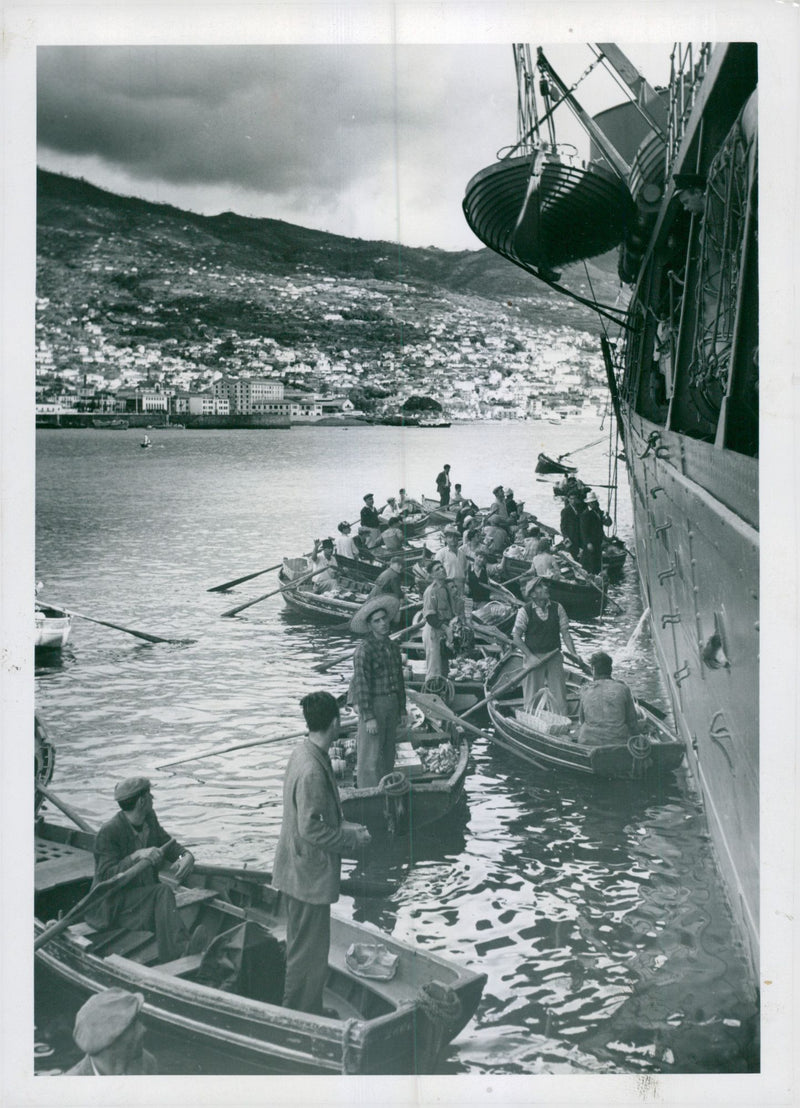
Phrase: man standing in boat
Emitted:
{"points": [[539, 629], [144, 903], [454, 559], [308, 858], [607, 712], [443, 486], [439, 612], [377, 689], [592, 521], [370, 522], [571, 524]]}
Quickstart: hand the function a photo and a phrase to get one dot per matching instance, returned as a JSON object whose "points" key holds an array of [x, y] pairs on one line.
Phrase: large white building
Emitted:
{"points": [[249, 395]]}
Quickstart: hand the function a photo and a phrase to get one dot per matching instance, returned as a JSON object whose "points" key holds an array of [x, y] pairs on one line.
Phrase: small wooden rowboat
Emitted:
{"points": [[580, 599], [550, 741], [338, 607], [546, 464], [229, 997], [427, 784], [53, 626]]}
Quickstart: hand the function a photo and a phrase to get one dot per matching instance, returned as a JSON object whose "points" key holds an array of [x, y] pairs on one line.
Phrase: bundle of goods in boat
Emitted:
{"points": [[407, 761], [371, 960], [441, 760], [342, 755], [470, 669]]}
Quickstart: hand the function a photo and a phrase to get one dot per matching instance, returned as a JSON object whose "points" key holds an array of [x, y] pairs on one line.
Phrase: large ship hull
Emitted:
{"points": [[698, 562]]}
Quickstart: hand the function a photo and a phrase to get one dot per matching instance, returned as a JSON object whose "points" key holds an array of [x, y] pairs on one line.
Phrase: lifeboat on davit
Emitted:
{"points": [[548, 209]]}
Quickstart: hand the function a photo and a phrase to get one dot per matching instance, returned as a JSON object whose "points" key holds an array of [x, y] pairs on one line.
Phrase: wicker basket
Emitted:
{"points": [[541, 720]]}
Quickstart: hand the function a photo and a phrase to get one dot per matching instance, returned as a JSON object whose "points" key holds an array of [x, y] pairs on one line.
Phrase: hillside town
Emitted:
{"points": [[175, 317]]}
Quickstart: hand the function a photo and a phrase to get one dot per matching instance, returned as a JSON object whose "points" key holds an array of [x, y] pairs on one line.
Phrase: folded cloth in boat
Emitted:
{"points": [[371, 960], [104, 1017]]}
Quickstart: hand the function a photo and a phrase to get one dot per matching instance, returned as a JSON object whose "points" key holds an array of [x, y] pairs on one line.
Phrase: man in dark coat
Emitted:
{"points": [[592, 535], [571, 524], [370, 522], [443, 486], [143, 904], [308, 858], [390, 580]]}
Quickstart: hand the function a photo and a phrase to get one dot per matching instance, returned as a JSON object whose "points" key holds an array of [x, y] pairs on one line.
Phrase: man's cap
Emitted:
{"points": [[499, 489], [395, 519], [104, 1017], [369, 496], [343, 526], [592, 496], [451, 529], [534, 581], [130, 787], [327, 542], [397, 556], [385, 602]]}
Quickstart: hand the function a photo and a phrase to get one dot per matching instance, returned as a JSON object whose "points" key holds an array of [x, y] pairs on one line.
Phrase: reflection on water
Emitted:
{"points": [[594, 910]]}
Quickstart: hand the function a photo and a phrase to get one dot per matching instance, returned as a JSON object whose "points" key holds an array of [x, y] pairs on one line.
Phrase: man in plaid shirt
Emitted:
{"points": [[377, 689]]}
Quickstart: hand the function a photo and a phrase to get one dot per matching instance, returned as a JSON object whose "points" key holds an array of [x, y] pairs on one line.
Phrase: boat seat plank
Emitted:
{"points": [[185, 896], [180, 966], [60, 864]]}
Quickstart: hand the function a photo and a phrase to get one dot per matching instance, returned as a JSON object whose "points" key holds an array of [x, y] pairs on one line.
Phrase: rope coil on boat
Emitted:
{"points": [[440, 1003], [441, 686], [639, 746], [394, 784]]}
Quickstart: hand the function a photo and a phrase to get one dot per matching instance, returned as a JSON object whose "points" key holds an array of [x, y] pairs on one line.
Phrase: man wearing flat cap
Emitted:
{"points": [[109, 1030], [370, 521], [143, 904], [377, 689]]}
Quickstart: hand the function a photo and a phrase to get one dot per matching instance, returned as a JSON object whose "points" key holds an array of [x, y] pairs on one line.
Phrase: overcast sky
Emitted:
{"points": [[374, 142]]}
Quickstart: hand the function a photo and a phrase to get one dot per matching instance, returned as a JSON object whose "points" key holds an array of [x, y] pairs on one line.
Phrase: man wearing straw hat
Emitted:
{"points": [[377, 689], [538, 631]]}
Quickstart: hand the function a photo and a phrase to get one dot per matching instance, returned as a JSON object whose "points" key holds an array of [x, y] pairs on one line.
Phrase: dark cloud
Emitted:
{"points": [[311, 127]]}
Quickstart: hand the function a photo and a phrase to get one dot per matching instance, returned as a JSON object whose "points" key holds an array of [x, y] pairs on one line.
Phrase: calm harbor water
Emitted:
{"points": [[595, 910]]}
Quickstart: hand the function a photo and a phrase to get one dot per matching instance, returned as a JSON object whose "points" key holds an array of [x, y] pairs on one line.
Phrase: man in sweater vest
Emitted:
{"points": [[539, 629]]}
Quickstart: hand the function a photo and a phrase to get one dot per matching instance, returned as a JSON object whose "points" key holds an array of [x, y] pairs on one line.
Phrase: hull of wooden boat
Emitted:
{"points": [[52, 630], [383, 1025], [545, 464], [553, 752], [429, 799], [579, 600]]}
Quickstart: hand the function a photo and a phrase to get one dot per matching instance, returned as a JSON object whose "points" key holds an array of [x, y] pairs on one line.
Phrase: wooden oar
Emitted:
{"points": [[248, 577], [274, 592], [233, 746], [350, 886], [128, 630], [509, 684], [434, 706], [334, 659], [62, 805], [578, 449], [98, 892]]}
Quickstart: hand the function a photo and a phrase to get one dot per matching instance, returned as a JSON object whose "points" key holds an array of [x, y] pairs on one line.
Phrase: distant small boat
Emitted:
{"points": [[546, 464], [145, 443], [53, 627], [431, 421]]}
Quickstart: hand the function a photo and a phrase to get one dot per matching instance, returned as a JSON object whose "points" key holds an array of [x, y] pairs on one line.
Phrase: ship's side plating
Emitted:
{"points": [[689, 405]]}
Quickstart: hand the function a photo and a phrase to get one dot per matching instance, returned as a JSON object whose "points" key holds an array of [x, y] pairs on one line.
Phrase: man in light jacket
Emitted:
{"points": [[308, 857]]}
